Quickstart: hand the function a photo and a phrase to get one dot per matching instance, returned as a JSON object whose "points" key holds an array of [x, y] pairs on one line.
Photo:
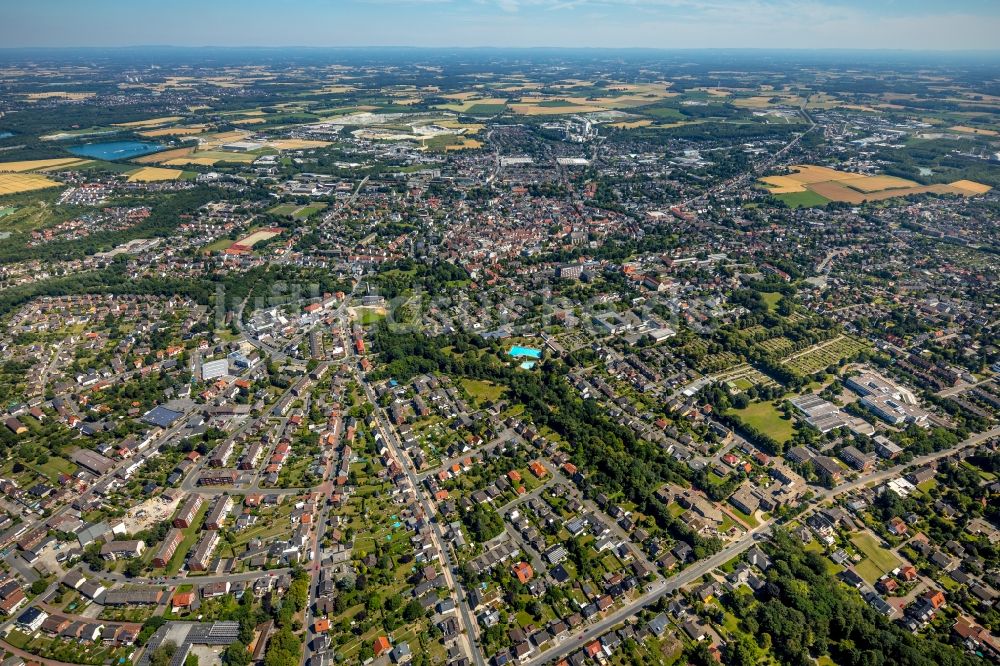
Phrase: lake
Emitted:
{"points": [[115, 150]]}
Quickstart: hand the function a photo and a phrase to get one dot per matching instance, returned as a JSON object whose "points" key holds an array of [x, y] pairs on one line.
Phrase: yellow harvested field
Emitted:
{"points": [[973, 130], [971, 186], [208, 141], [633, 124], [877, 183], [783, 185], [153, 174], [536, 110], [222, 156], [919, 189], [249, 121], [465, 145], [808, 173], [13, 183], [184, 161], [151, 122], [838, 192], [296, 144], [33, 165], [165, 156], [174, 131], [470, 128]]}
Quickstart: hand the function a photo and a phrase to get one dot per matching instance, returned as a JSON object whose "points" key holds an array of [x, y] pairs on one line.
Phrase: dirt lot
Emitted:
{"points": [[150, 512]]}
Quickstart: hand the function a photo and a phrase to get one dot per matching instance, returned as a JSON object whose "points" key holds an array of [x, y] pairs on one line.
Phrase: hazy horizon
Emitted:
{"points": [[962, 25]]}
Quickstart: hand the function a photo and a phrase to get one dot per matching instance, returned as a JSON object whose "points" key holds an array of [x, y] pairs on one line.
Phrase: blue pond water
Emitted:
{"points": [[115, 150], [4, 135], [522, 352]]}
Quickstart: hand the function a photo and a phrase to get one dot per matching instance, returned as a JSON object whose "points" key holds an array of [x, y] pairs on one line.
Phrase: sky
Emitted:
{"points": [[668, 24]]}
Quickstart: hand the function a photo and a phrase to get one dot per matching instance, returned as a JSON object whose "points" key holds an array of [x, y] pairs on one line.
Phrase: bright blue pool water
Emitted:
{"points": [[527, 365], [521, 352], [115, 150]]}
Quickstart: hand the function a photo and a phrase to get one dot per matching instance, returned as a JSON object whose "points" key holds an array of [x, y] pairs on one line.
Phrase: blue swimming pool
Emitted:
{"points": [[527, 365], [523, 352]]}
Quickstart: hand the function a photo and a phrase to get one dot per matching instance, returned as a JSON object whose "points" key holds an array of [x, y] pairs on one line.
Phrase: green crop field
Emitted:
{"points": [[805, 199], [485, 109]]}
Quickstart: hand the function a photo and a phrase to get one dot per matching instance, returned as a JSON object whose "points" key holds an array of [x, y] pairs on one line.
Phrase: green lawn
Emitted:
{"points": [[54, 467], [766, 418], [481, 391], [310, 210], [219, 245], [805, 199], [878, 560], [191, 535], [284, 209], [746, 518], [369, 316], [771, 298]]}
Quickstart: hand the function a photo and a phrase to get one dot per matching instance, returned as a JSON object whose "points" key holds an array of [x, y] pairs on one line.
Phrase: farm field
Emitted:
{"points": [[154, 174], [174, 131], [803, 199], [965, 129], [296, 144], [151, 122], [811, 185], [36, 165], [487, 105], [13, 183]]}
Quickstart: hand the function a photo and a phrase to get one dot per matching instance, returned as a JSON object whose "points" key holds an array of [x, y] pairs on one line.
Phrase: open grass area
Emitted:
{"points": [[218, 245], [482, 392], [191, 535], [766, 418], [55, 466], [878, 560]]}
